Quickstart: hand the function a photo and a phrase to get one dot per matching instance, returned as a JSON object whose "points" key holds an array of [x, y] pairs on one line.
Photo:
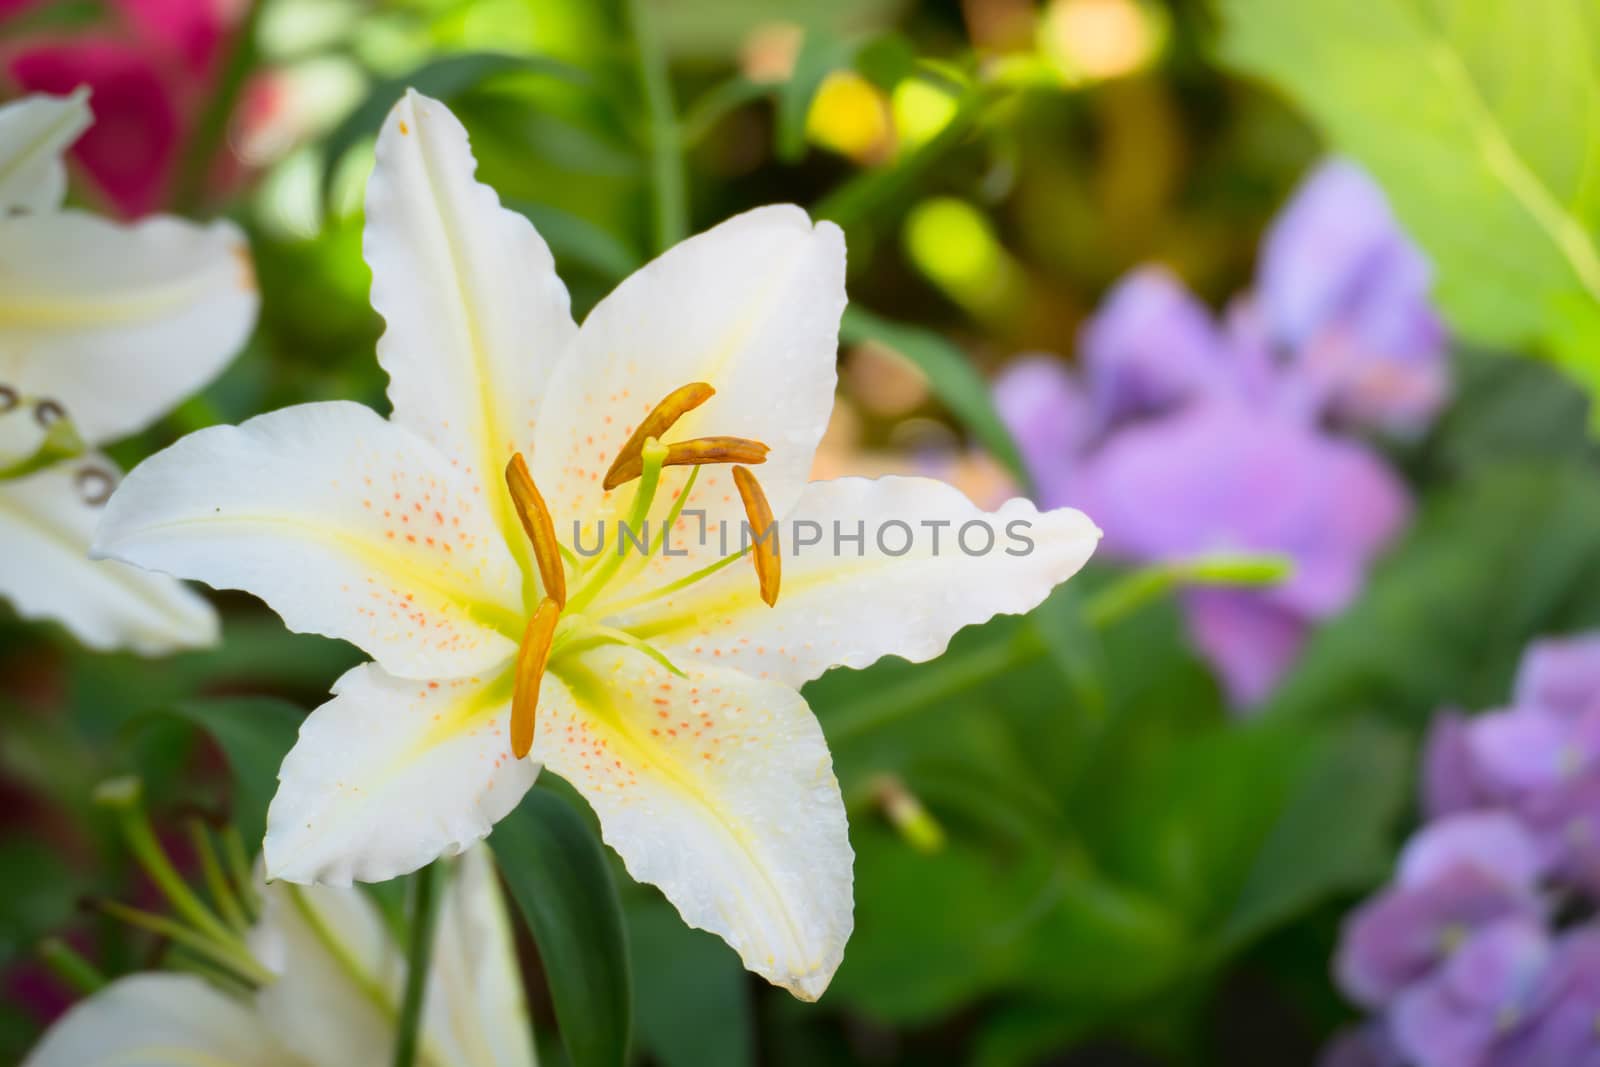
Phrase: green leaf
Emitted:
{"points": [[693, 994], [559, 877], [1480, 118], [573, 238], [1332, 835], [254, 733], [951, 376], [441, 79]]}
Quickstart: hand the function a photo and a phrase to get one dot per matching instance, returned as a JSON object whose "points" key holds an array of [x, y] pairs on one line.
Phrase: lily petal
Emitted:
{"points": [[848, 601], [476, 1009], [339, 972], [719, 789], [348, 525], [751, 308], [34, 132], [46, 522], [118, 322], [476, 315], [157, 1020], [391, 774]]}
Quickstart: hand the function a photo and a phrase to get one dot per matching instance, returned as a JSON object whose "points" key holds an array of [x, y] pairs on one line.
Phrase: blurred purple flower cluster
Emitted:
{"points": [[1484, 950], [1182, 435]]}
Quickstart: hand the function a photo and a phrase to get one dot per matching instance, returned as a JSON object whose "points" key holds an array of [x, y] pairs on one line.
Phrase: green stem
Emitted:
{"points": [[666, 149], [124, 796], [644, 496], [1101, 611], [211, 131], [66, 964], [236, 959], [222, 894], [419, 958]]}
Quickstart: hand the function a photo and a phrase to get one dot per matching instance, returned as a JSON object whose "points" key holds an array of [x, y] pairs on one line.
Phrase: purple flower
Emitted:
{"points": [[1456, 877], [1362, 1046], [1483, 994], [1048, 415], [1216, 477], [1560, 674], [1452, 781], [1565, 1031], [1149, 348], [1344, 293]]}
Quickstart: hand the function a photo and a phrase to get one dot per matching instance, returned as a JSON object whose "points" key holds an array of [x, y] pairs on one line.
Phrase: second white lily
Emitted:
{"points": [[662, 686]]}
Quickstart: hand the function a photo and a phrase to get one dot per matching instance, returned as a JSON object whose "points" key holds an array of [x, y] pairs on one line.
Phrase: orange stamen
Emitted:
{"points": [[764, 553], [698, 451], [661, 419], [531, 660], [540, 528]]}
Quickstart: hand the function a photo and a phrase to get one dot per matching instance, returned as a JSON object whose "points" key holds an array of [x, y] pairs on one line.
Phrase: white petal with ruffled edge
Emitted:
{"points": [[844, 605], [475, 1010], [391, 774], [346, 524], [476, 314], [46, 523], [750, 307], [34, 132], [158, 1020], [120, 322], [719, 789]]}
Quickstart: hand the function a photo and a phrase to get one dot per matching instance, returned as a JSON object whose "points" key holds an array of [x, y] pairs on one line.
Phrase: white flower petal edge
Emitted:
{"points": [[120, 322], [476, 1009], [751, 307], [34, 131], [719, 789], [157, 1020], [476, 314], [848, 609], [339, 973], [390, 774], [348, 525], [45, 571]]}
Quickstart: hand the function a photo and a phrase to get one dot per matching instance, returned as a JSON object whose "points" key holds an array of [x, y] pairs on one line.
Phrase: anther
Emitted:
{"points": [[9, 398], [540, 528], [94, 485], [698, 452], [764, 553], [662, 417], [48, 412], [531, 660]]}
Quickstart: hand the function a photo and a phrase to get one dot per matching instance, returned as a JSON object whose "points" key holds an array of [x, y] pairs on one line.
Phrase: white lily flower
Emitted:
{"points": [[663, 684], [337, 976], [108, 326]]}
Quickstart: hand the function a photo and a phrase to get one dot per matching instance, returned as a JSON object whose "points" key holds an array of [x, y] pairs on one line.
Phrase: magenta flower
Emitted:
{"points": [[150, 73]]}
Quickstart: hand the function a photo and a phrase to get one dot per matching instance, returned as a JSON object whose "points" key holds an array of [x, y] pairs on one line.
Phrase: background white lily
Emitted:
{"points": [[338, 976], [109, 325], [711, 779]]}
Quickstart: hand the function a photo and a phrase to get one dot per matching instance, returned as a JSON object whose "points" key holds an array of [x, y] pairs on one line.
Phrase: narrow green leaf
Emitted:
{"points": [[951, 376], [560, 879], [821, 54], [254, 733], [442, 79], [1481, 118], [1332, 834]]}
